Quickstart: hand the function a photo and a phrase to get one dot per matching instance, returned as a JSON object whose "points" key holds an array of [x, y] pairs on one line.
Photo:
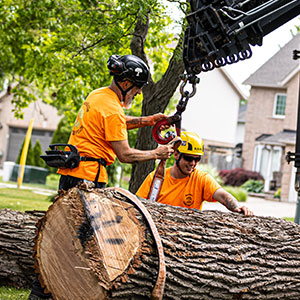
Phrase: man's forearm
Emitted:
{"points": [[137, 122], [137, 156], [230, 203], [126, 154], [226, 199]]}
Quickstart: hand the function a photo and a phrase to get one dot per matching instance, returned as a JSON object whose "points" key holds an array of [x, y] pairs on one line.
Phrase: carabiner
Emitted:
{"points": [[156, 131]]}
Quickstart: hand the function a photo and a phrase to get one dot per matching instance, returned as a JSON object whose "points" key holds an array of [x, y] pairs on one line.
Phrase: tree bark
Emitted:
{"points": [[156, 97], [209, 255], [17, 232]]}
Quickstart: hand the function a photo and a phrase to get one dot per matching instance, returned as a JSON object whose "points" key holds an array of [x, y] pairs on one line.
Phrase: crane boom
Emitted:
{"points": [[220, 32]]}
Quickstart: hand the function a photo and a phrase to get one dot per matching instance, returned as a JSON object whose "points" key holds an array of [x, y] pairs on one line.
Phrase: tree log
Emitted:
{"points": [[208, 255], [17, 232]]}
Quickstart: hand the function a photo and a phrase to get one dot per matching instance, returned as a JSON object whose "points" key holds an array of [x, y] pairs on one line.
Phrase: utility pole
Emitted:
{"points": [[296, 156]]}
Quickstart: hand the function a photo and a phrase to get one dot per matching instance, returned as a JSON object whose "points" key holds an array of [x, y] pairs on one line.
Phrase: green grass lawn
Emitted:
{"points": [[23, 199], [8, 293]]}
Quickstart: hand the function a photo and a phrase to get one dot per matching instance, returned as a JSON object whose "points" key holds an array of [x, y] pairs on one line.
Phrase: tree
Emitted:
{"points": [[30, 161], [37, 151], [62, 132], [58, 50]]}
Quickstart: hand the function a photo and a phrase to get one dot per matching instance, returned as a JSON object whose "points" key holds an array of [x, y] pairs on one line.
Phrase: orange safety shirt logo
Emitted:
{"points": [[188, 201]]}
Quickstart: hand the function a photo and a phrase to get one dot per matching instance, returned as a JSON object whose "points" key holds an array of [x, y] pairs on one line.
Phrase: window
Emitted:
{"points": [[279, 106]]}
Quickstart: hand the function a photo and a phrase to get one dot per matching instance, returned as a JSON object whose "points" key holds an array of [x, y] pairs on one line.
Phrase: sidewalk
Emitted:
{"points": [[34, 189], [261, 207]]}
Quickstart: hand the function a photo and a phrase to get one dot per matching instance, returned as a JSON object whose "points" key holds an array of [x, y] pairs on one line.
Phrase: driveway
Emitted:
{"points": [[261, 207]]}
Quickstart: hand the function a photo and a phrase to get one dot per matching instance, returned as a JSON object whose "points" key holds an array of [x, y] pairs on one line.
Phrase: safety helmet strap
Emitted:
{"points": [[124, 92]]}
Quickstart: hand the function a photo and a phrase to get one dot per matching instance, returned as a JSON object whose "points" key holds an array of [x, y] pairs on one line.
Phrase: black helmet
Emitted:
{"points": [[128, 67]]}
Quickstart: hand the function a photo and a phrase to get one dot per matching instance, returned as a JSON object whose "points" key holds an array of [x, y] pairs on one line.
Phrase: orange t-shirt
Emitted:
{"points": [[100, 121], [189, 192]]}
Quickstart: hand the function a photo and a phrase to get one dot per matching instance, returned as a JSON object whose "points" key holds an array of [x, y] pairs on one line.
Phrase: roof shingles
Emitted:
{"points": [[278, 67]]}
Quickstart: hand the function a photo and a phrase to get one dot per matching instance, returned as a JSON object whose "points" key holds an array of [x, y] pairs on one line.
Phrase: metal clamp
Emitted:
{"points": [[291, 156], [180, 108]]}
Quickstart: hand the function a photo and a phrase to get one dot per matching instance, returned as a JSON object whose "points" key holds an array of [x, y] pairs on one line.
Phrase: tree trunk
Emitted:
{"points": [[156, 97], [208, 255], [17, 232]]}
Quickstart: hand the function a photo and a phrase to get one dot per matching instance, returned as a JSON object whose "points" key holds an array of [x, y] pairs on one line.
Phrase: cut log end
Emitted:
{"points": [[92, 237]]}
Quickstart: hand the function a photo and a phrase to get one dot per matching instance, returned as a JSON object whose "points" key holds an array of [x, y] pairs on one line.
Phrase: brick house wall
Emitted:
{"points": [[273, 134], [259, 120]]}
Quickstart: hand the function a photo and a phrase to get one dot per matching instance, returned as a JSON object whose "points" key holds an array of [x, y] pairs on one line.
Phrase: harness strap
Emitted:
{"points": [[159, 174], [101, 161], [158, 290]]}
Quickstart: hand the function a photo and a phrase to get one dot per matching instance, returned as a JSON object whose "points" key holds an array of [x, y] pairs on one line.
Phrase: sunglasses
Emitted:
{"points": [[191, 158]]}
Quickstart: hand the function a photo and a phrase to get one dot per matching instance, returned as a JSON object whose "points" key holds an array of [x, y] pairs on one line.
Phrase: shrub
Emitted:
{"points": [[30, 155], [37, 151], [112, 173], [254, 186], [238, 176], [239, 193], [62, 132], [277, 194]]}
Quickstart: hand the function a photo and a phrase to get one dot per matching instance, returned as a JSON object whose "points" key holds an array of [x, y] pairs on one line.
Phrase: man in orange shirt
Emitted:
{"points": [[186, 186], [100, 130]]}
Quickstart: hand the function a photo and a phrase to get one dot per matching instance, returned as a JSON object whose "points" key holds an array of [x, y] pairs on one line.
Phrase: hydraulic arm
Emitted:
{"points": [[220, 32]]}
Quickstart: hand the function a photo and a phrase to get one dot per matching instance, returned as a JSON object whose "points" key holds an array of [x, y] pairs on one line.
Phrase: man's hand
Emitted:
{"points": [[164, 151], [230, 202], [244, 210], [157, 117], [126, 154]]}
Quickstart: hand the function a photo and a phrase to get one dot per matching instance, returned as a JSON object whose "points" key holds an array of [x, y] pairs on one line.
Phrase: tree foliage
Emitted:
{"points": [[37, 151], [58, 50], [30, 161]]}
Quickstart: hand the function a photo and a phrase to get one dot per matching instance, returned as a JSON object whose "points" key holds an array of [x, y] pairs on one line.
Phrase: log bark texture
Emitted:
{"points": [[17, 232], [208, 255]]}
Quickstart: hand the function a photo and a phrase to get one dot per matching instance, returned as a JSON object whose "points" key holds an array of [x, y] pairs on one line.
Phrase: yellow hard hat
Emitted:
{"points": [[191, 143]]}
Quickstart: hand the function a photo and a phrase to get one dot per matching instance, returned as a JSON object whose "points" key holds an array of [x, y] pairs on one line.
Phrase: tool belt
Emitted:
{"points": [[68, 159]]}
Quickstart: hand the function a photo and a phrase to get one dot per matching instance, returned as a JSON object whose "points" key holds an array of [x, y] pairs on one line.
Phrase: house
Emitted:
{"points": [[13, 130], [216, 115], [271, 120]]}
